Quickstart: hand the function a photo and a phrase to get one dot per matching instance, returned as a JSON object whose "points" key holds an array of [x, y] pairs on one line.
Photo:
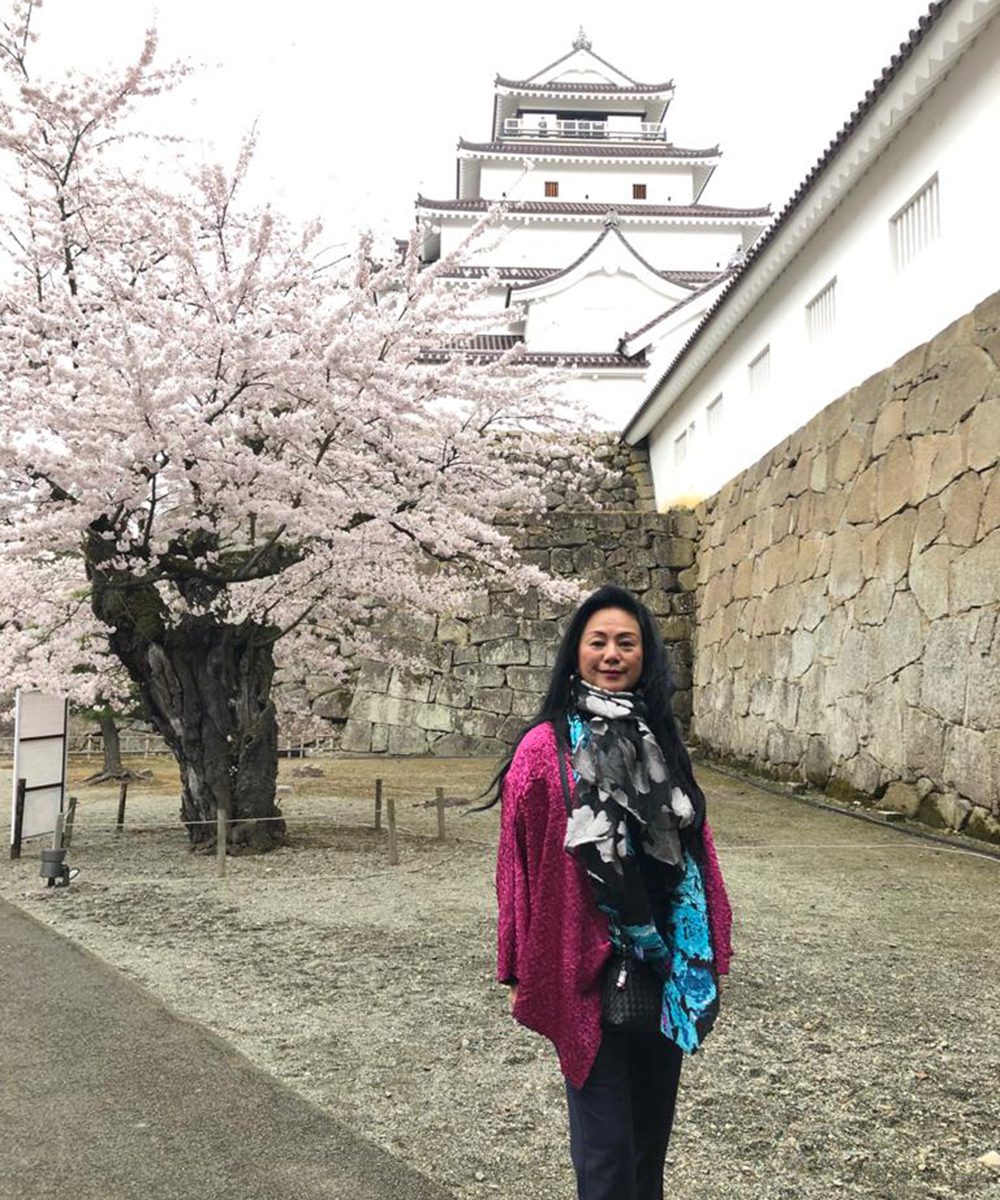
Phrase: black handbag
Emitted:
{"points": [[631, 995], [631, 991]]}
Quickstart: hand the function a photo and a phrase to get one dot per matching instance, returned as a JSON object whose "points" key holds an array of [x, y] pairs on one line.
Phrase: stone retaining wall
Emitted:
{"points": [[848, 588], [488, 668]]}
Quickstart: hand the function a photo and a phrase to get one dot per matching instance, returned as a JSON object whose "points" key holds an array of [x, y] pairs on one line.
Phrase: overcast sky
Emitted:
{"points": [[359, 105]]}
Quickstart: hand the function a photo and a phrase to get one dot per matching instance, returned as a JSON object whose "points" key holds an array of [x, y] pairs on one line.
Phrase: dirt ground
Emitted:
{"points": [[858, 1053]]}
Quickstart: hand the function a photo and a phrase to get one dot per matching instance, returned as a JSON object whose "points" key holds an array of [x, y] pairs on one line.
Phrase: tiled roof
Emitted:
{"points": [[588, 150], [544, 358], [601, 89], [868, 101], [688, 279], [717, 278], [492, 341], [477, 272], [610, 228], [591, 209]]}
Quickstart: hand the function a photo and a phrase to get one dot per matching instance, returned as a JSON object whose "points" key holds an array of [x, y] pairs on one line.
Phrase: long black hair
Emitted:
{"points": [[655, 684]]}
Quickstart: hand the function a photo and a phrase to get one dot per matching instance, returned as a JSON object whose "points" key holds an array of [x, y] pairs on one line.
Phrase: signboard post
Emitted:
{"points": [[41, 741]]}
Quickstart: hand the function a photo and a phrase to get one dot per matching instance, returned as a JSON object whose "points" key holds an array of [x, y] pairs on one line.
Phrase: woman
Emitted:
{"points": [[616, 858]]}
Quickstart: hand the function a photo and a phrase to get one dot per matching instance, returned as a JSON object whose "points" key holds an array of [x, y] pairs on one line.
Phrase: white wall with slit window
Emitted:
{"points": [[893, 242]]}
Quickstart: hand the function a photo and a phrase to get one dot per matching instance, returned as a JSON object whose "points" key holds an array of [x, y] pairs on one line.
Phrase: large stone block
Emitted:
{"points": [[356, 737], [972, 764], [888, 427], [495, 700], [407, 739], [436, 717], [861, 504], [962, 503], [975, 575], [848, 457], [896, 483], [902, 798], [923, 743], [884, 722], [983, 703], [452, 692], [946, 663], [965, 383], [488, 629], [673, 552], [930, 523], [408, 685], [929, 579], [983, 825], [872, 603], [900, 641], [845, 577], [896, 545], [785, 748], [451, 629], [528, 679], [479, 724], [945, 810], [920, 406], [373, 676], [983, 444], [480, 675], [989, 515], [948, 461], [463, 745], [505, 651]]}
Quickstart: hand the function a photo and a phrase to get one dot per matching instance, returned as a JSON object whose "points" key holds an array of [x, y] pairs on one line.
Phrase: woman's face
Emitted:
{"points": [[610, 653]]}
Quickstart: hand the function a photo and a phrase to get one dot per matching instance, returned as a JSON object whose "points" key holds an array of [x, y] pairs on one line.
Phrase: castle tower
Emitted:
{"points": [[608, 250]]}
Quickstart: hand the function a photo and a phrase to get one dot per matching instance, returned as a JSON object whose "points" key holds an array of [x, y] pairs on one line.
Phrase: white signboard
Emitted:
{"points": [[41, 729]]}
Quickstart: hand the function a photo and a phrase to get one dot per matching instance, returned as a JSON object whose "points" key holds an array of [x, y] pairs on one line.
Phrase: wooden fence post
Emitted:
{"points": [[440, 811], [378, 804], [122, 797], [15, 845], [390, 815], [70, 818]]}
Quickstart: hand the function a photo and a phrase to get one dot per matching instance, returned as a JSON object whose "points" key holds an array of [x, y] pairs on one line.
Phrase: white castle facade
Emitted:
{"points": [[608, 254]]}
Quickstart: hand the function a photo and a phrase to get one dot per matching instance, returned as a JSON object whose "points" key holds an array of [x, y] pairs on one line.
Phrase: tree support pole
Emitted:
{"points": [[18, 830]]}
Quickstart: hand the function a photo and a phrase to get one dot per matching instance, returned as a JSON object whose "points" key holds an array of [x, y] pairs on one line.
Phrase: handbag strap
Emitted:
{"points": [[563, 779]]}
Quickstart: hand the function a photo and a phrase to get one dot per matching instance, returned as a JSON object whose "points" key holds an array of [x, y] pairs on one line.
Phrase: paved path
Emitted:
{"points": [[106, 1095]]}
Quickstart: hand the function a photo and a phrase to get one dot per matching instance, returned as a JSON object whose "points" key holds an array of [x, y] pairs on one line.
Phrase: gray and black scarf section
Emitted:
{"points": [[624, 794]]}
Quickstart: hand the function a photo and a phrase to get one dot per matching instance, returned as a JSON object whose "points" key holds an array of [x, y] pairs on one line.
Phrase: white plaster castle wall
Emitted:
{"points": [[595, 312], [609, 183], [881, 311], [557, 243]]}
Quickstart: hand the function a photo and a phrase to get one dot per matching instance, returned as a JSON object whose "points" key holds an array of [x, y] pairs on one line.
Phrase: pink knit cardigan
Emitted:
{"points": [[551, 938]]}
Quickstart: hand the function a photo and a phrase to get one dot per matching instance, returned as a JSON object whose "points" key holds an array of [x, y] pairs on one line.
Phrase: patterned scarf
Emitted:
{"points": [[623, 792]]}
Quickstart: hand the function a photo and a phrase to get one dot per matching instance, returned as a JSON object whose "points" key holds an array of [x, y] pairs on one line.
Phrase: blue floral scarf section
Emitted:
{"points": [[684, 959]]}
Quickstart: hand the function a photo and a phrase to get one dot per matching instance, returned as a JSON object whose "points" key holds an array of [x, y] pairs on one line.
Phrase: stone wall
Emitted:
{"points": [[848, 588], [487, 669]]}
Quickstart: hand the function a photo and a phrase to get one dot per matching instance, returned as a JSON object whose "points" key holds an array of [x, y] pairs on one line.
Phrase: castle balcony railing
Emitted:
{"points": [[645, 131]]}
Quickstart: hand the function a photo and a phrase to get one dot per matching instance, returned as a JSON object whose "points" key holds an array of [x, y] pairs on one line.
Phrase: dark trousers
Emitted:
{"points": [[620, 1120]]}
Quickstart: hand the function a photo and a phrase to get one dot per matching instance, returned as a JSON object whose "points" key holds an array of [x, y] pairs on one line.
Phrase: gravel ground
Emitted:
{"points": [[858, 1053]]}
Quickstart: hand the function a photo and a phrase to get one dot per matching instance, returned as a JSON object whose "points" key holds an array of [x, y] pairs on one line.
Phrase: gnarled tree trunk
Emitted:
{"points": [[206, 688], [111, 745]]}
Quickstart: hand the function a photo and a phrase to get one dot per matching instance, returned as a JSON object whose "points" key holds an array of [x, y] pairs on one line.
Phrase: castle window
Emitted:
{"points": [[821, 312], [760, 371], [714, 416], [916, 225], [551, 188], [638, 191]]}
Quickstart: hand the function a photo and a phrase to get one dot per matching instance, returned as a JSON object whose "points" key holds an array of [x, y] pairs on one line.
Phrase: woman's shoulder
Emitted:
{"points": [[535, 753]]}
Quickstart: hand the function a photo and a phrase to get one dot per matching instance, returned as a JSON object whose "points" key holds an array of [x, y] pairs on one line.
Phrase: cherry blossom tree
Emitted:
{"points": [[217, 456]]}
